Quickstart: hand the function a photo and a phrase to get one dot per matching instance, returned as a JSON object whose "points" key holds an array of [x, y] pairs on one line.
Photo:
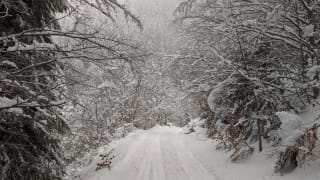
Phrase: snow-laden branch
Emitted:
{"points": [[33, 66], [310, 5], [6, 103], [44, 32], [5, 13], [107, 6], [31, 47], [242, 73]]}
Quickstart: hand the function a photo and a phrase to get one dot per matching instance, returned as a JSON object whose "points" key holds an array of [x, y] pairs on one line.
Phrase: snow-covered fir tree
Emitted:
{"points": [[30, 97]]}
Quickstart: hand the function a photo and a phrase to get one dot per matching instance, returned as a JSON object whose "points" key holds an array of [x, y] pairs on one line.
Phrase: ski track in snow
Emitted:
{"points": [[157, 154]]}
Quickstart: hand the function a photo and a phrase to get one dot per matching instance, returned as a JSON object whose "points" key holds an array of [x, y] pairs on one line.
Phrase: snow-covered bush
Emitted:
{"points": [[297, 144], [259, 60]]}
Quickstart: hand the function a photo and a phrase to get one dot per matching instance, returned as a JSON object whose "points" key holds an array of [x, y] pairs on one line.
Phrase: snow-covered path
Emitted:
{"points": [[157, 154], [166, 153]]}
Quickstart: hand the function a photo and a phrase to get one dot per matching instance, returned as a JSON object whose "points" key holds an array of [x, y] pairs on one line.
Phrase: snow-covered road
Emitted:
{"points": [[157, 154], [166, 153]]}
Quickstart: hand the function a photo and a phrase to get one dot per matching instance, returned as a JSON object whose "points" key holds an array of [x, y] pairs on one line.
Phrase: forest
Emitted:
{"points": [[159, 89]]}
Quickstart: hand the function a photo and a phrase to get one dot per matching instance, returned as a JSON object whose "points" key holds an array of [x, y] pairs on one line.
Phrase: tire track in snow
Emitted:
{"points": [[134, 153], [131, 152], [171, 162], [157, 161], [192, 166], [144, 169], [157, 154], [151, 167]]}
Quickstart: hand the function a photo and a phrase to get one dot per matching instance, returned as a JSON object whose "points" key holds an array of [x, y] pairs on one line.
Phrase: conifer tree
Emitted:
{"points": [[29, 91]]}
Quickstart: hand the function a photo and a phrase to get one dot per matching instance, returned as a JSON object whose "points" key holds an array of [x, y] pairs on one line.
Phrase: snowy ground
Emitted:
{"points": [[166, 153]]}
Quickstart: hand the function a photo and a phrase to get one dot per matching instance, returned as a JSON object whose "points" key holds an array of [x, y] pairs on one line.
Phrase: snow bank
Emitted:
{"points": [[290, 129], [289, 123], [122, 131], [258, 167]]}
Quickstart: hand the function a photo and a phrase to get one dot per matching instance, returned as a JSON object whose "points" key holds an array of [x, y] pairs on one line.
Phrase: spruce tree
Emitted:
{"points": [[29, 92]]}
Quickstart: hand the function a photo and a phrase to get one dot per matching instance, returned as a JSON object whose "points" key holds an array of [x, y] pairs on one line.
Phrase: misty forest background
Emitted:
{"points": [[72, 72]]}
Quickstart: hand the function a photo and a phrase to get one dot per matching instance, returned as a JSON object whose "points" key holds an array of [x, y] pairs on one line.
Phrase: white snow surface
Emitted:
{"points": [[308, 30], [6, 102], [289, 123], [166, 153], [290, 129]]}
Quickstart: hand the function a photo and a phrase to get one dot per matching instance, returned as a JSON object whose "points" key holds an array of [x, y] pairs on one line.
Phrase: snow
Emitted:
{"points": [[289, 123], [15, 110], [42, 127], [310, 116], [10, 63], [132, 83], [291, 30], [205, 87], [312, 72], [44, 122], [119, 132], [123, 130], [274, 15], [128, 127], [156, 154], [112, 68], [166, 153], [241, 121], [107, 84], [291, 140], [216, 92], [308, 30], [34, 46], [6, 102], [290, 129], [194, 123]]}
